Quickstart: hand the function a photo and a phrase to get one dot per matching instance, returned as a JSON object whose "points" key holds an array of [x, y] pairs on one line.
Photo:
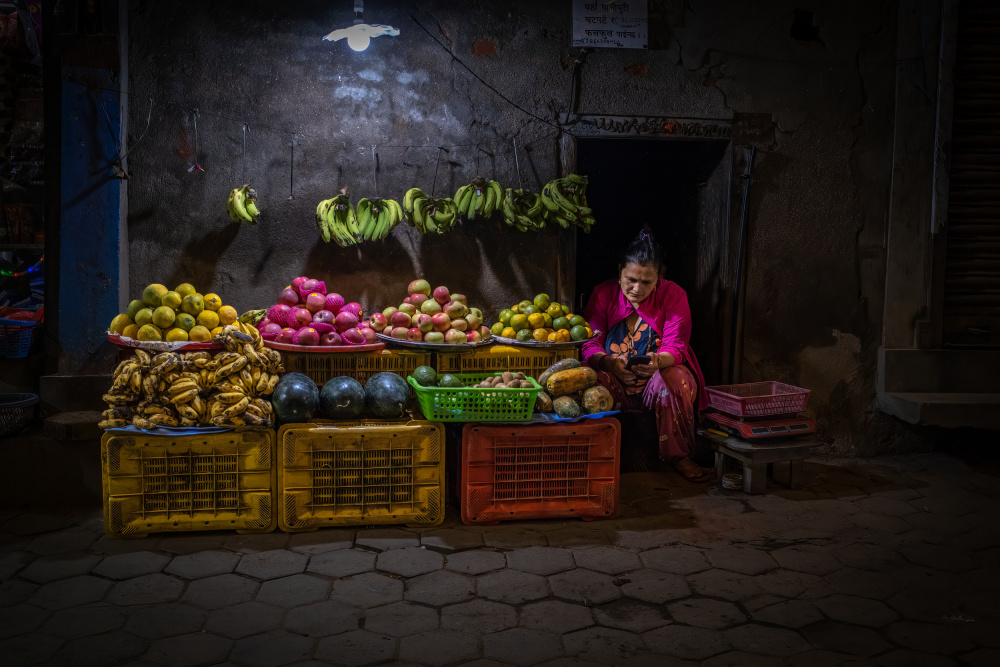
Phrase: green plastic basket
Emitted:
{"points": [[467, 404]]}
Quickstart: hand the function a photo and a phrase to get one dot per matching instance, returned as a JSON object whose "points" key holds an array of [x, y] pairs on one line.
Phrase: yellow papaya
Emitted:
{"points": [[569, 381]]}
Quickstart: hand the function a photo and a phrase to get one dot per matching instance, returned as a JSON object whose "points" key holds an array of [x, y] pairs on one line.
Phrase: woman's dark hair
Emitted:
{"points": [[643, 250]]}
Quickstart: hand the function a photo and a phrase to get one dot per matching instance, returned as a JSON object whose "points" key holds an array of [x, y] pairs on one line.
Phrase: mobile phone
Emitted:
{"points": [[637, 360]]}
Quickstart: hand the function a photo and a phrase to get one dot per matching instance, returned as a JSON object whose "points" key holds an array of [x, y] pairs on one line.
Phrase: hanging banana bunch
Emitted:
{"points": [[242, 205], [480, 198], [565, 202], [377, 217], [429, 215], [337, 220], [523, 210]]}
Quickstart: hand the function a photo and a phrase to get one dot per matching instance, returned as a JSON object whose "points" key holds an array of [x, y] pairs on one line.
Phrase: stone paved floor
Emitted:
{"points": [[888, 561]]}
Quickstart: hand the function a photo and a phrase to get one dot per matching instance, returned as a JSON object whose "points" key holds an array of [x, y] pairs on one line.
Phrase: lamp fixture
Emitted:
{"points": [[360, 35]]}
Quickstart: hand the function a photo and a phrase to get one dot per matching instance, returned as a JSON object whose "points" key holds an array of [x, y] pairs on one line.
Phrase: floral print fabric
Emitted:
{"points": [[632, 337]]}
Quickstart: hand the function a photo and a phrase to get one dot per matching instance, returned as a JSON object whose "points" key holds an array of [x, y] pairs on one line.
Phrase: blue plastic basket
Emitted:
{"points": [[18, 337]]}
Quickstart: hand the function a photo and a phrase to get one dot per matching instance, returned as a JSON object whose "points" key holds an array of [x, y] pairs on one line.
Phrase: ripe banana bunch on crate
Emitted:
{"points": [[242, 205], [429, 215], [565, 202], [338, 221], [229, 388], [377, 217], [480, 198], [523, 210]]}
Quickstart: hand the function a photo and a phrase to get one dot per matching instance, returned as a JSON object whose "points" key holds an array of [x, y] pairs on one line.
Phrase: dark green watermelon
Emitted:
{"points": [[342, 398], [295, 398], [387, 395]]}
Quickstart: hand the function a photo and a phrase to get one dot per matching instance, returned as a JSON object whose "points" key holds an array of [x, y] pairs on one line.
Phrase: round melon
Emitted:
{"points": [[386, 395], [342, 398], [295, 398]]}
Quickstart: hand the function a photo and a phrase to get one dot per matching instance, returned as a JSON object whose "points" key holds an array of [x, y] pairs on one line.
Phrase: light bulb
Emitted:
{"points": [[358, 41]]}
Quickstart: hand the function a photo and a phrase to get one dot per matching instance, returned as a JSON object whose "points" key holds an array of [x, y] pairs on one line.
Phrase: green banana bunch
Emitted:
{"points": [[242, 205], [377, 217], [432, 215], [338, 221], [565, 201], [523, 210], [480, 198]]}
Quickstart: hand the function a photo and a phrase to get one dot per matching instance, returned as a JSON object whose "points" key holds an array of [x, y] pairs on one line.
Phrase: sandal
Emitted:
{"points": [[693, 472]]}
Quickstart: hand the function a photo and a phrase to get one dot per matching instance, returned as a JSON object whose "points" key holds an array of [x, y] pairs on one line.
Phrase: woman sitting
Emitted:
{"points": [[640, 313]]}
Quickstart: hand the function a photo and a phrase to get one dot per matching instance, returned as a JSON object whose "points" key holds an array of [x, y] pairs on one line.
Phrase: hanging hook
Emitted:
{"points": [[196, 166], [436, 163], [291, 169]]}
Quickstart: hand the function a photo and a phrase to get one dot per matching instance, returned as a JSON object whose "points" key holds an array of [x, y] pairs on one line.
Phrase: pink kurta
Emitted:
{"points": [[669, 393]]}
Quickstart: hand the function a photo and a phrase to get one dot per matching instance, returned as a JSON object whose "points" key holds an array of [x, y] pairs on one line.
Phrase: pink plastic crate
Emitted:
{"points": [[758, 399]]}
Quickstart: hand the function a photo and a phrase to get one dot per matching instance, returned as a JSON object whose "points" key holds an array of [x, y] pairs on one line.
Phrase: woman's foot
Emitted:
{"points": [[693, 472]]}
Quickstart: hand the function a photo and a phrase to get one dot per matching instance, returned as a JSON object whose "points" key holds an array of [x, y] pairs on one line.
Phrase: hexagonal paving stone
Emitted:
{"points": [[69, 539], [127, 566], [843, 637], [22, 619], [440, 647], [476, 561], [705, 613], [112, 648], [367, 590], [401, 619], [807, 558], [857, 610], [882, 523], [686, 642], [790, 614], [984, 657], [790, 584], [740, 659], [584, 586], [929, 637], [939, 557], [655, 586], [359, 647], [630, 615], [272, 564], [513, 537], [256, 543], [606, 645], [864, 583], [478, 617], [60, 566], [556, 616], [764, 640], [741, 558], [819, 658], [243, 620], [511, 586], [868, 557], [541, 560], [203, 564], [71, 592], [165, 620], [384, 539], [439, 588], [220, 591], [35, 524], [887, 506], [12, 562], [409, 562], [193, 649], [724, 584], [342, 563], [271, 649], [293, 591], [15, 591], [521, 647], [31, 649], [321, 541], [322, 619], [450, 540], [190, 543], [85, 621], [147, 589], [678, 560], [607, 559]]}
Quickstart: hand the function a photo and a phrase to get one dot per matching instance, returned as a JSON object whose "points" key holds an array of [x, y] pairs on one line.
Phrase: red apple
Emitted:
{"points": [[302, 316], [285, 335], [331, 338], [455, 336], [399, 332], [345, 321], [418, 299], [400, 319], [354, 337], [289, 297], [424, 322], [460, 324], [441, 322], [298, 281], [323, 317], [419, 286], [473, 336], [406, 300], [459, 297], [475, 318], [308, 336], [378, 321], [311, 285], [414, 334], [408, 308], [433, 337], [454, 309], [442, 295], [271, 328]]}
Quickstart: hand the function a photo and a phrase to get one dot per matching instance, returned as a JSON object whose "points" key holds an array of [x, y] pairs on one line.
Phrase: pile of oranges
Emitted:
{"points": [[177, 315], [541, 319]]}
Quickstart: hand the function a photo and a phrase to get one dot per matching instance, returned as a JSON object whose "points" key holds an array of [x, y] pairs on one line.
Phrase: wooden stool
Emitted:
{"points": [[756, 455]]}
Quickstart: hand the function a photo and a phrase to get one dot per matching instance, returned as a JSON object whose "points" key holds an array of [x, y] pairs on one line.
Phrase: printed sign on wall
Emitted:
{"points": [[613, 25]]}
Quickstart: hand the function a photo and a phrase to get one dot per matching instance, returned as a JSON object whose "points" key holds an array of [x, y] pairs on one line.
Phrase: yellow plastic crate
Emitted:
{"points": [[321, 367], [360, 473], [499, 358], [215, 481]]}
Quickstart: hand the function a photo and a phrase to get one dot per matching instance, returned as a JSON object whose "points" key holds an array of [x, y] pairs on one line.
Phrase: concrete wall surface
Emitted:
{"points": [[313, 111]]}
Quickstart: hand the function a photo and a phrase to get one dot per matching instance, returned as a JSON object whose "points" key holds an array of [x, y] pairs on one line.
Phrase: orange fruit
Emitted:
{"points": [[508, 332], [227, 315], [536, 321], [539, 334], [518, 322]]}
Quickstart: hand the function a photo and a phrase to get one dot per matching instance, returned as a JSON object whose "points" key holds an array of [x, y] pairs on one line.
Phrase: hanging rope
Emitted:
{"points": [[517, 163], [244, 152], [436, 163], [375, 170]]}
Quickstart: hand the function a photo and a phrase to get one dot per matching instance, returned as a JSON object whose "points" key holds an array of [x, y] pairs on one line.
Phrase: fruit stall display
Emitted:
{"points": [[541, 320], [177, 315], [435, 316]]}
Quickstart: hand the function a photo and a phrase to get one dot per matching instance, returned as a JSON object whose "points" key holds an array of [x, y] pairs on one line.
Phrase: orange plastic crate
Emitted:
{"points": [[540, 471]]}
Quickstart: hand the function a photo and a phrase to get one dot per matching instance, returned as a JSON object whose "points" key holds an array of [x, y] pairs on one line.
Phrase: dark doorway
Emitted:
{"points": [[680, 187]]}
